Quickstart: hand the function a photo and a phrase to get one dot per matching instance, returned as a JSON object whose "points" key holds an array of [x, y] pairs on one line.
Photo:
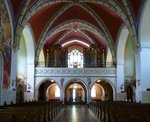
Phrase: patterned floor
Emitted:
{"points": [[76, 113]]}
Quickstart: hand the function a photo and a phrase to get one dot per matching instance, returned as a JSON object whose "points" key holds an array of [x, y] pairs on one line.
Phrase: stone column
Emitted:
{"points": [[62, 89], [89, 99]]}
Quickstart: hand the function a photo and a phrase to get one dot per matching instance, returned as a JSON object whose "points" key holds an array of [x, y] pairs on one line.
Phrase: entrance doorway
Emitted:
{"points": [[75, 93]]}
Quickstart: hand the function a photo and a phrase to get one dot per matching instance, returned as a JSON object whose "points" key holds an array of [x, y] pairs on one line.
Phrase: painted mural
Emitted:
{"points": [[5, 45]]}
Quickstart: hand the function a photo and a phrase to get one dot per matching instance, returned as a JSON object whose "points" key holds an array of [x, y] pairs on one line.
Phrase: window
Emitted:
{"points": [[75, 59], [93, 92], [57, 92]]}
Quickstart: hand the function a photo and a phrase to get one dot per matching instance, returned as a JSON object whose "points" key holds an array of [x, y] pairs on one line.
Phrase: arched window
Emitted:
{"points": [[75, 59], [57, 92], [93, 92]]}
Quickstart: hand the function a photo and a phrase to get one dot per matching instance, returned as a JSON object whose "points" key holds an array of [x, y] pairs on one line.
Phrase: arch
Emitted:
{"points": [[91, 12], [1, 76], [144, 26], [11, 21], [86, 26], [120, 55], [25, 61], [121, 43], [109, 82], [29, 41], [78, 81], [37, 86], [67, 33], [42, 88], [49, 90], [102, 97], [46, 79], [111, 4], [67, 42], [30, 50]]}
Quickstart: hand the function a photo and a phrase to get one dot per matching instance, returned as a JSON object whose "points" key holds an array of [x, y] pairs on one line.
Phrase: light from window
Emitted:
{"points": [[75, 59], [74, 95], [57, 92], [93, 92]]}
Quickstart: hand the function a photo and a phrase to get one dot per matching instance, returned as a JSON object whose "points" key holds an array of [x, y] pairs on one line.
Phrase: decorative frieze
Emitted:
{"points": [[74, 72]]}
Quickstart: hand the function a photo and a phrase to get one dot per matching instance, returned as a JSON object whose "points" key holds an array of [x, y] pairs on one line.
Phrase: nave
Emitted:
{"points": [[76, 113], [55, 111]]}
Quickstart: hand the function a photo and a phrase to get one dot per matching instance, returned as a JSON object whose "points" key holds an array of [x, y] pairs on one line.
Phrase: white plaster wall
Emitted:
{"points": [[144, 26], [129, 68], [29, 43], [145, 96], [22, 58], [143, 64], [8, 96], [121, 96], [144, 38], [145, 69], [28, 96]]}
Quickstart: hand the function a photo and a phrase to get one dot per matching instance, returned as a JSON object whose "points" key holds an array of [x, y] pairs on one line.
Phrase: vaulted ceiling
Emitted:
{"points": [[91, 21]]}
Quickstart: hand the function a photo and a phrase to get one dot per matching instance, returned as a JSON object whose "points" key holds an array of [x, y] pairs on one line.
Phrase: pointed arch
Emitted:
{"points": [[85, 26], [120, 54], [26, 59], [29, 41], [122, 38]]}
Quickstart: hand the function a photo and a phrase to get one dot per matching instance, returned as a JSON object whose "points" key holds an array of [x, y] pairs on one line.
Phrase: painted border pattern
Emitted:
{"points": [[75, 72]]}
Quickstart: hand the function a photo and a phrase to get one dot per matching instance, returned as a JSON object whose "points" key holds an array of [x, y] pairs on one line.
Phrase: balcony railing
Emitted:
{"points": [[107, 65], [43, 71]]}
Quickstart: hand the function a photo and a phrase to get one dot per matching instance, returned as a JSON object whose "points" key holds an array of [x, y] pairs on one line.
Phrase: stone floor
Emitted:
{"points": [[76, 113]]}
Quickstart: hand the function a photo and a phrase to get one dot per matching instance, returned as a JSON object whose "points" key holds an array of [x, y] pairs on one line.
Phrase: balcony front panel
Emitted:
{"points": [[74, 72]]}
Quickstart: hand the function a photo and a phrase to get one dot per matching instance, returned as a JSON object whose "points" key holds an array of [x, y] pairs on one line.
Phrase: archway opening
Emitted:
{"points": [[53, 92], [103, 91], [97, 92], [26, 62], [75, 93], [48, 90]]}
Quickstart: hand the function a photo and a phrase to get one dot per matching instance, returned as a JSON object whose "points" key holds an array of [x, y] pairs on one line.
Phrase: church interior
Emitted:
{"points": [[60, 59]]}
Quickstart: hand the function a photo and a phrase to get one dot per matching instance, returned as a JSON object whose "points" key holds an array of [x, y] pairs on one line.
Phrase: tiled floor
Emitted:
{"points": [[76, 113]]}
